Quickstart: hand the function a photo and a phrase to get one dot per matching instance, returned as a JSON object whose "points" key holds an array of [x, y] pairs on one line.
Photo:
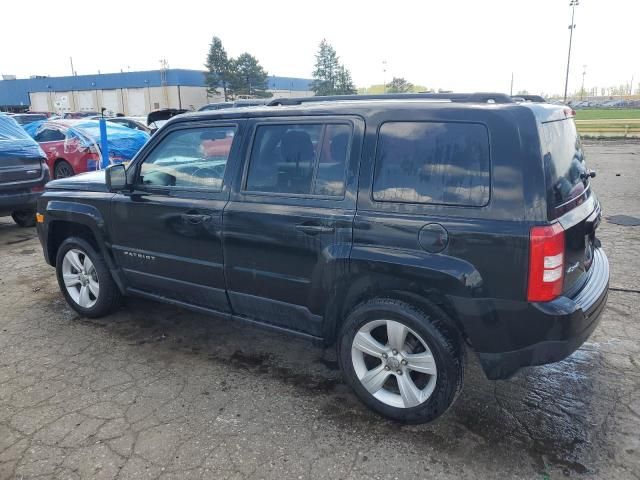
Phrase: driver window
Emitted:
{"points": [[192, 158]]}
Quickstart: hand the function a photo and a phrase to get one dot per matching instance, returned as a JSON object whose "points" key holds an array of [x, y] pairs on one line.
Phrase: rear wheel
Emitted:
{"points": [[24, 218], [406, 364], [85, 280], [63, 169]]}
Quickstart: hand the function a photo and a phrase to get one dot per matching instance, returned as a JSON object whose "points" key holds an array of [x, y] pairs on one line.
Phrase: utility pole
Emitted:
{"points": [[584, 72], [384, 76], [73, 72], [573, 4], [511, 89]]}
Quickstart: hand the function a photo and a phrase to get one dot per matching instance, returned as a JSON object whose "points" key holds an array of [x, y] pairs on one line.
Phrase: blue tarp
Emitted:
{"points": [[124, 142], [14, 141]]}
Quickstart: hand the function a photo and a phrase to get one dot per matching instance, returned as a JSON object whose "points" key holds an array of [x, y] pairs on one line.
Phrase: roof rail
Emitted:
{"points": [[453, 97]]}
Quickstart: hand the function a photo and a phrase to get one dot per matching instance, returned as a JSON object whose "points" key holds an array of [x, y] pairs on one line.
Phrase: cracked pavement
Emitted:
{"points": [[153, 391]]}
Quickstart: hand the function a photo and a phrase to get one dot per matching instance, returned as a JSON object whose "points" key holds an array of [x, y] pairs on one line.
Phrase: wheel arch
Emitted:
{"points": [[419, 286], [65, 219]]}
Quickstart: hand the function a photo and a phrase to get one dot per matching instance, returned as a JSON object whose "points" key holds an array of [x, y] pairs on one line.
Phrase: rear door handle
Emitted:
{"points": [[314, 229], [195, 218]]}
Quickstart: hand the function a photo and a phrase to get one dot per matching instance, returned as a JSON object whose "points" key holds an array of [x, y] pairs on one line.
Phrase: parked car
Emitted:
{"points": [[249, 102], [405, 232], [136, 123], [23, 172], [77, 115], [73, 146], [26, 118], [157, 118]]}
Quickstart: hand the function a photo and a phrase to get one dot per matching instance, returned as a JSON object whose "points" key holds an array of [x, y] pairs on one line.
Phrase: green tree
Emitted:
{"points": [[248, 78], [218, 69], [344, 84], [399, 85], [326, 69], [330, 77]]}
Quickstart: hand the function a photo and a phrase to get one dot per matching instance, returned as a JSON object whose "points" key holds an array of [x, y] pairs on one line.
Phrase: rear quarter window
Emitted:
{"points": [[433, 163]]}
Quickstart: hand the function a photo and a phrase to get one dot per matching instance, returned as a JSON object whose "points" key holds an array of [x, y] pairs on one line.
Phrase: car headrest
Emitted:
{"points": [[297, 146]]}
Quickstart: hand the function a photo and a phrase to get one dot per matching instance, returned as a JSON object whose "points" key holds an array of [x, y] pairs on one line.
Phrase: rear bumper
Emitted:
{"points": [[546, 332]]}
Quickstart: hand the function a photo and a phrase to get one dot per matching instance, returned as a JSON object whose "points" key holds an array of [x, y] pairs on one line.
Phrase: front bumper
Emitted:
{"points": [[13, 200], [546, 332]]}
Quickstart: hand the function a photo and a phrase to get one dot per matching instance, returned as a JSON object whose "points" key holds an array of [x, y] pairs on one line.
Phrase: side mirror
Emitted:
{"points": [[116, 177]]}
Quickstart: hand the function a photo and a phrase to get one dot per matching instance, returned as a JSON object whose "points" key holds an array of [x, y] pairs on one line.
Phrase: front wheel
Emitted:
{"points": [[24, 218], [405, 363], [85, 280]]}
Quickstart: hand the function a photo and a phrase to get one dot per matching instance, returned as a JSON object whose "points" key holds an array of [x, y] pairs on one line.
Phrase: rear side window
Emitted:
{"points": [[564, 167], [433, 163], [302, 159]]}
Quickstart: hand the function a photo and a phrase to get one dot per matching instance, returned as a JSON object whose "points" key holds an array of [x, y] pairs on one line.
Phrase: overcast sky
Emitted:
{"points": [[462, 45]]}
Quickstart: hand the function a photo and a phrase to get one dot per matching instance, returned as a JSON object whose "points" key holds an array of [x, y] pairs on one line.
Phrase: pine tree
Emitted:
{"points": [[344, 83], [218, 69], [248, 78], [326, 70]]}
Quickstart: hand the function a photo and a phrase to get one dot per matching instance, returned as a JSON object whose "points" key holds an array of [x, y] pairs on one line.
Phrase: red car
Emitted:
{"points": [[71, 146]]}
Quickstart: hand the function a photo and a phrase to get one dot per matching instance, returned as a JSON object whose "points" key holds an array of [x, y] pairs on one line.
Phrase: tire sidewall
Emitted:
{"points": [[58, 165], [24, 218], [104, 277], [448, 369]]}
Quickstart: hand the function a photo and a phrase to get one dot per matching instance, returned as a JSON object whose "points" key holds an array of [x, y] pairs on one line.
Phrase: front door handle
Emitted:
{"points": [[195, 218], [314, 229]]}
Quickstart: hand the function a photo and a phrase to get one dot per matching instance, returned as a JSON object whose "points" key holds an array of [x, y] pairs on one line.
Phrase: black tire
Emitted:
{"points": [[442, 339], [109, 297], [63, 169], [24, 218]]}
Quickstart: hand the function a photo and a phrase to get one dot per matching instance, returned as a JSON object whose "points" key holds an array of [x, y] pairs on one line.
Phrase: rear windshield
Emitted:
{"points": [[564, 165]]}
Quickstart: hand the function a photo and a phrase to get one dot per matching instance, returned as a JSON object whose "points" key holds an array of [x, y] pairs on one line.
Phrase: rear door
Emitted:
{"points": [[167, 232], [288, 226], [570, 198]]}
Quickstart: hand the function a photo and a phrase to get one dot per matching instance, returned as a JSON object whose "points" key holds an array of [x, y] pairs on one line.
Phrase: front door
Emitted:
{"points": [[288, 226], [170, 241]]}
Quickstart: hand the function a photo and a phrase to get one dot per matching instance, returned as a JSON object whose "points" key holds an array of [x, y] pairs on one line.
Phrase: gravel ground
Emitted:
{"points": [[157, 392]]}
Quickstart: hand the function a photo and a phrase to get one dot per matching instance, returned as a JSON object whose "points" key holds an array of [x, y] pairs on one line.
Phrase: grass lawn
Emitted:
{"points": [[605, 114]]}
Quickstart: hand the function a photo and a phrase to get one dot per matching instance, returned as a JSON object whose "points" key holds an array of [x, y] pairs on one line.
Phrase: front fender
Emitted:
{"points": [[74, 213]]}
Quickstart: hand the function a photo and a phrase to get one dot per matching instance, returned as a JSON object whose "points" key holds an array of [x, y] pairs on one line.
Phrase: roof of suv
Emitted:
{"points": [[366, 104]]}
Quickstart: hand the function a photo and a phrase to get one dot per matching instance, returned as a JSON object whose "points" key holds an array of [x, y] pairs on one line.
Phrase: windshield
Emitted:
{"points": [[564, 164]]}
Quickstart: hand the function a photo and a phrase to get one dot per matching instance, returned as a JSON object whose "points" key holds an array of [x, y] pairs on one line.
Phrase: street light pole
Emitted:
{"points": [[573, 5], [584, 72]]}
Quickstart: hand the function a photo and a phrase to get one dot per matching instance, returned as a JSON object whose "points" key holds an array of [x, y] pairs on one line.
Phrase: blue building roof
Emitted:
{"points": [[16, 92]]}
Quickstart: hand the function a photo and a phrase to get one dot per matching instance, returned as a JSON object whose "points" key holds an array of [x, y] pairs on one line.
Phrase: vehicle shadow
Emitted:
{"points": [[552, 413]]}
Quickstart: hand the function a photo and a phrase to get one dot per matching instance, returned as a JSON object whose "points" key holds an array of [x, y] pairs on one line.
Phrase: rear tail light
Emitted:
{"points": [[37, 188], [546, 263]]}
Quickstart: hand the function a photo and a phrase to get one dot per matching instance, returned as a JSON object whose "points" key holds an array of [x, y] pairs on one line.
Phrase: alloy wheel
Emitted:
{"points": [[80, 278], [393, 363]]}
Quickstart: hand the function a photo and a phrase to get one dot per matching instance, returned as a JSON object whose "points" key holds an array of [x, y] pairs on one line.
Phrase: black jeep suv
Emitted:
{"points": [[405, 229]]}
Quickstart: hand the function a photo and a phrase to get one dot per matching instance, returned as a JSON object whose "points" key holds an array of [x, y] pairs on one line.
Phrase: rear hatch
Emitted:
{"points": [[570, 199], [21, 158]]}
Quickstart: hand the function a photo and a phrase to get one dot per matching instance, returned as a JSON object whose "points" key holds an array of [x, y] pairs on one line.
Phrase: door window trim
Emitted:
{"points": [[323, 122], [175, 190]]}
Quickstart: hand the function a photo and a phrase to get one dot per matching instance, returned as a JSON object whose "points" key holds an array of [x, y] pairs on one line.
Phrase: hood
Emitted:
{"points": [[87, 182]]}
